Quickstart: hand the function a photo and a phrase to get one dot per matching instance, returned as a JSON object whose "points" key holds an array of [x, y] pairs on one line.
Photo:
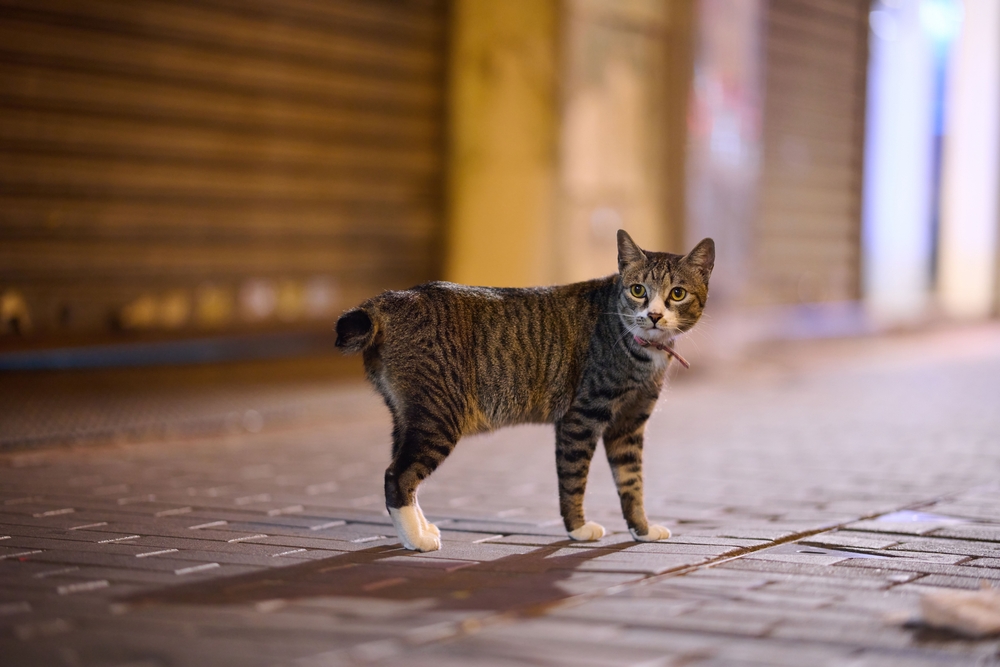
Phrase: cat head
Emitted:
{"points": [[662, 294]]}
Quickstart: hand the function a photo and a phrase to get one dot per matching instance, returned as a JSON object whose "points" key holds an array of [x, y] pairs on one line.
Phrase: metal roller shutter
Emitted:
{"points": [[216, 164], [807, 239]]}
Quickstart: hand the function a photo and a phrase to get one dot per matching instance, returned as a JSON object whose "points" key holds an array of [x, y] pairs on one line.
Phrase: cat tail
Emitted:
{"points": [[356, 329]]}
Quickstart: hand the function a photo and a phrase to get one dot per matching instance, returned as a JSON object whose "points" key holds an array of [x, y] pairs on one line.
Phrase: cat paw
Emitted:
{"points": [[427, 525], [411, 531], [654, 534], [588, 532]]}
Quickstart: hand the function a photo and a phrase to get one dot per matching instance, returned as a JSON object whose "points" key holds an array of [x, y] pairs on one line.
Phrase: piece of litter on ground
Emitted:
{"points": [[969, 613]]}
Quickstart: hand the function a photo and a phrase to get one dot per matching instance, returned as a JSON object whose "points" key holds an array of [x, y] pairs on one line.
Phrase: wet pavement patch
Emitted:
{"points": [[906, 516]]}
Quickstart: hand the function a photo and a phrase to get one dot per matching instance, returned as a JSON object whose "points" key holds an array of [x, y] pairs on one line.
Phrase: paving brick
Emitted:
{"points": [[716, 540], [951, 581], [888, 658], [971, 532], [865, 633], [532, 540], [503, 527], [915, 528], [923, 567], [674, 548], [666, 614], [931, 557], [292, 542], [764, 532], [876, 576], [772, 653], [810, 559], [66, 557], [948, 546], [547, 651], [850, 539], [486, 551]]}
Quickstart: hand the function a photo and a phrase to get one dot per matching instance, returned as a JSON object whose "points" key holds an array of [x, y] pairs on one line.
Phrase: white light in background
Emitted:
{"points": [[909, 44], [968, 254], [258, 299], [941, 19]]}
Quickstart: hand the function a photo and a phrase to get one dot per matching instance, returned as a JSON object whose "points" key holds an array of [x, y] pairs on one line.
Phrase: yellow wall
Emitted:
{"points": [[618, 124], [502, 143]]}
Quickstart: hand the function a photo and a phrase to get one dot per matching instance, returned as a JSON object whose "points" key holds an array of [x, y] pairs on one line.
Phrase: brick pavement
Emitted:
{"points": [[814, 495]]}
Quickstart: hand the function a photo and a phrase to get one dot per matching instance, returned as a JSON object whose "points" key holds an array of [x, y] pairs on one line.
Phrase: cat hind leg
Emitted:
{"points": [[417, 455]]}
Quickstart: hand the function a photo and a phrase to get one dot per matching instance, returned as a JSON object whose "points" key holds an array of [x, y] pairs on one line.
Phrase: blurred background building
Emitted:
{"points": [[197, 175]]}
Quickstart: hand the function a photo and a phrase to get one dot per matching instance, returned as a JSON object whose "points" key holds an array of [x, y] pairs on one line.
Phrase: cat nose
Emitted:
{"points": [[655, 317]]}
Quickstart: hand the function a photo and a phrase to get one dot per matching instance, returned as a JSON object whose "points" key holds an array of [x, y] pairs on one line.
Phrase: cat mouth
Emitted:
{"points": [[668, 348]]}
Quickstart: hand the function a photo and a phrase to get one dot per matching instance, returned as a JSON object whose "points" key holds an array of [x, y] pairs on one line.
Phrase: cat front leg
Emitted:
{"points": [[575, 445], [623, 445]]}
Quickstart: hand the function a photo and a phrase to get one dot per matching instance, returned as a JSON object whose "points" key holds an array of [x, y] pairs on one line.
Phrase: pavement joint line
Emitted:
{"points": [[64, 510], [288, 553], [325, 487], [52, 573], [89, 525], [83, 587], [174, 512], [20, 554], [291, 509], [156, 553], [119, 539], [253, 498], [197, 568], [22, 501], [149, 497]]}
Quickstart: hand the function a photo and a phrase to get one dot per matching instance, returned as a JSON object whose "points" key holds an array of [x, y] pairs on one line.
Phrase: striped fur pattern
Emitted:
{"points": [[452, 360]]}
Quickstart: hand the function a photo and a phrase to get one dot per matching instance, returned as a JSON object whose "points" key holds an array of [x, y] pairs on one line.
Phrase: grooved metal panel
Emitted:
{"points": [[807, 235], [217, 164]]}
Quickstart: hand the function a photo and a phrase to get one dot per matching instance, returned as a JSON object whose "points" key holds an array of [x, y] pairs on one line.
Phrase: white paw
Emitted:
{"points": [[409, 522], [588, 532], [655, 533]]}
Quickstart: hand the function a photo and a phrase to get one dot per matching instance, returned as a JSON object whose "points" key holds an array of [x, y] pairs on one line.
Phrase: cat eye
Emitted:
{"points": [[638, 291], [678, 294]]}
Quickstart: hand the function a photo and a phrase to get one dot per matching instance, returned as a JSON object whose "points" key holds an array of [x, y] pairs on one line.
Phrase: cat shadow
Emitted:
{"points": [[526, 583]]}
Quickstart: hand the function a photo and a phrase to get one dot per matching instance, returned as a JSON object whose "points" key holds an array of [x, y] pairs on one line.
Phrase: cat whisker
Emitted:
{"points": [[628, 332]]}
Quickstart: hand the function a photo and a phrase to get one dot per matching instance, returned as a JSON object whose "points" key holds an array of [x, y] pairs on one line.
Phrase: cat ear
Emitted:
{"points": [[628, 251], [702, 257]]}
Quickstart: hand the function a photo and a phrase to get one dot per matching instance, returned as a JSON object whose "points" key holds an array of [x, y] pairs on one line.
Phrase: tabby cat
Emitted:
{"points": [[589, 357]]}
